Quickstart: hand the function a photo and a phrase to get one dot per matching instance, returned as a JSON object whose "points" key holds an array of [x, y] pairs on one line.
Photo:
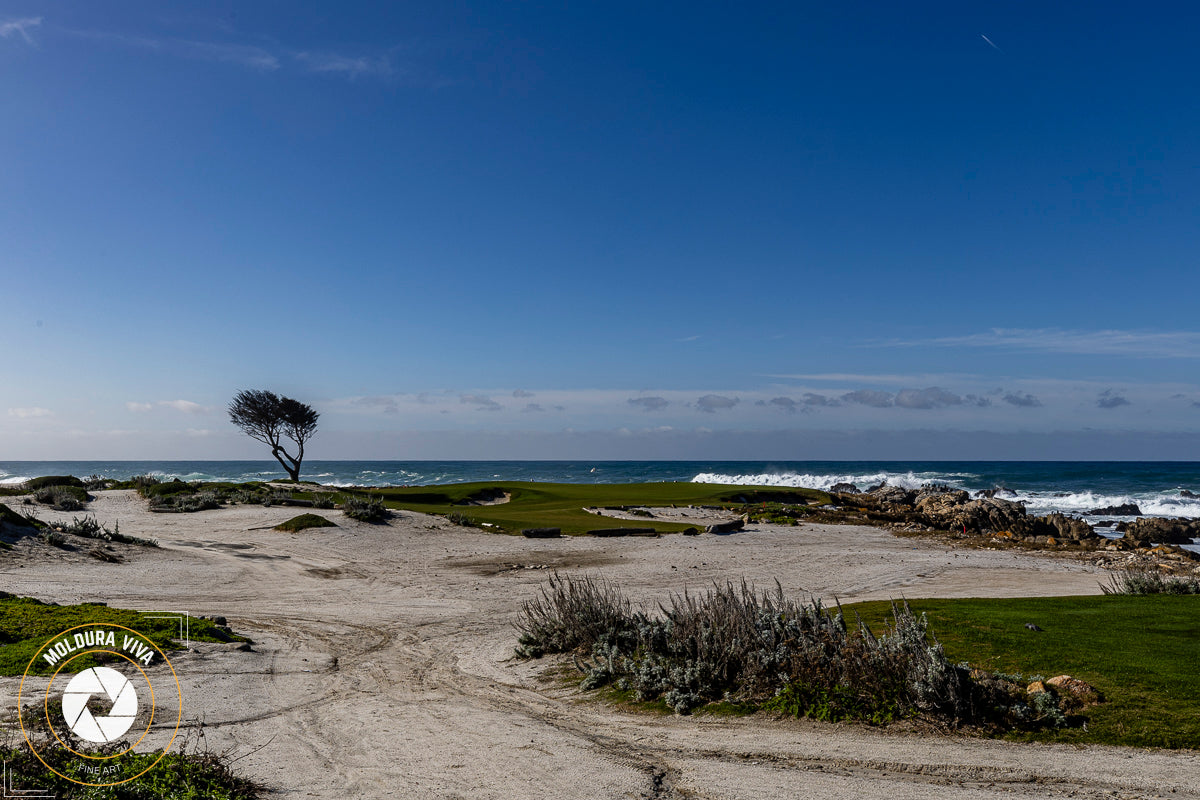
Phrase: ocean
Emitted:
{"points": [[1077, 488]]}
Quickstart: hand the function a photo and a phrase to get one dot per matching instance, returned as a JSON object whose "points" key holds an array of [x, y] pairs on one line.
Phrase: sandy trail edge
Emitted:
{"points": [[382, 664]]}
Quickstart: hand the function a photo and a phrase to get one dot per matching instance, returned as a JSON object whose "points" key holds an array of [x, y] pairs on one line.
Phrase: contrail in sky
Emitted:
{"points": [[993, 44]]}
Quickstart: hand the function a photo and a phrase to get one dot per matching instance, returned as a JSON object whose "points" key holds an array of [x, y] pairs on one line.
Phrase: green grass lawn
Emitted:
{"points": [[27, 624], [1142, 652], [560, 505]]}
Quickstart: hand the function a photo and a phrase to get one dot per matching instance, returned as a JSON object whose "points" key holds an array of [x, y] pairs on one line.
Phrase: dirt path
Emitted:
{"points": [[382, 663]]}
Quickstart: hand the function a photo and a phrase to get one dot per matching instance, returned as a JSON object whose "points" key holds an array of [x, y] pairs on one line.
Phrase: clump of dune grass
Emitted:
{"points": [[734, 647], [1145, 580], [732, 643], [62, 498], [365, 509]]}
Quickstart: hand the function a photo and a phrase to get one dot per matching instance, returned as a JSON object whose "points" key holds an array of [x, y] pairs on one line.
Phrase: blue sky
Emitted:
{"points": [[629, 230]]}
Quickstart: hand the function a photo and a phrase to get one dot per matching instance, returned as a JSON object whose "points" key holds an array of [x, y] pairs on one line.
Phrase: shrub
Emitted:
{"points": [[303, 522], [62, 498], [34, 484], [10, 517], [322, 500], [734, 644], [1149, 581], [89, 528], [185, 502], [365, 509], [176, 486]]}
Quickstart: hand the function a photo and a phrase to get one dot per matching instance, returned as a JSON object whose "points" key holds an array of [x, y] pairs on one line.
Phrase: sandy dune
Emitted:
{"points": [[382, 662]]}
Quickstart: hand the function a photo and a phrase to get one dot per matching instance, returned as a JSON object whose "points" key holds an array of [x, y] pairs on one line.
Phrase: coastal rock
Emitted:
{"points": [[999, 491], [1037, 687], [1156, 530], [541, 533], [939, 503], [844, 488], [1074, 693], [623, 532], [1186, 493], [975, 516], [727, 527], [1069, 528], [1123, 510]]}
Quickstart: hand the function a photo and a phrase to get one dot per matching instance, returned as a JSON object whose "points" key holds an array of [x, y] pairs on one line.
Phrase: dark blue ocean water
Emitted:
{"points": [[1073, 487]]}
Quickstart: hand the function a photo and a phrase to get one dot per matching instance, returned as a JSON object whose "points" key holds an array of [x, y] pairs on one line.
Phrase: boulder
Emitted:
{"points": [[1074, 693], [1069, 528], [541, 533], [1123, 510], [844, 488], [1186, 493], [940, 503], [727, 527], [1156, 530], [623, 532]]}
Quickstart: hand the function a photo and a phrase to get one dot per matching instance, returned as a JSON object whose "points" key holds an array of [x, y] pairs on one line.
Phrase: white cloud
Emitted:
{"points": [[1169, 344], [184, 406], [19, 27], [29, 413], [349, 66]]}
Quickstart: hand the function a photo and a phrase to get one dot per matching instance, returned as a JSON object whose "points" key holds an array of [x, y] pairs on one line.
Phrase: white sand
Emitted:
{"points": [[382, 662]]}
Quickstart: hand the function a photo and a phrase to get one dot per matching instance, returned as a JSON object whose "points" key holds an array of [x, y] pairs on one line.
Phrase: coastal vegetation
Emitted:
{"points": [[190, 773], [1123, 665], [304, 522], [269, 418], [26, 624], [513, 506]]}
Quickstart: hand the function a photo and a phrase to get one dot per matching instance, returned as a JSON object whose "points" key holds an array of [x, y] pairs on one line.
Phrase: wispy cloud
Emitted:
{"points": [[20, 27], [1146, 344], [1022, 400], [480, 401], [1111, 399], [711, 403], [268, 57], [348, 66], [649, 403], [29, 413], [859, 377], [990, 43], [183, 406]]}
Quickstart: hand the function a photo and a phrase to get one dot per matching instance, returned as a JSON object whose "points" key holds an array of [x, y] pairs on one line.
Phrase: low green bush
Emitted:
{"points": [[34, 484], [732, 644], [62, 498], [303, 522], [1149, 581], [365, 509]]}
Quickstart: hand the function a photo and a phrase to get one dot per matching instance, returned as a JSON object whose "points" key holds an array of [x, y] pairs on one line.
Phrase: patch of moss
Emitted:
{"points": [[26, 624], [303, 522]]}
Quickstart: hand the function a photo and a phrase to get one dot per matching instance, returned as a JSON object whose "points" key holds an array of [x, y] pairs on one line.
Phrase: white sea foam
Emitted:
{"points": [[906, 480], [10, 481], [1151, 504]]}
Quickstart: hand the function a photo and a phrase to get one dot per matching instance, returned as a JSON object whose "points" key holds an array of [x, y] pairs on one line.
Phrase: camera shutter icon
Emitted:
{"points": [[99, 681]]}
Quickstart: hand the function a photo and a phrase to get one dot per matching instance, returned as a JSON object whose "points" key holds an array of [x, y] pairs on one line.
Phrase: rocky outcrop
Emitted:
{"points": [[1073, 693], [1123, 510], [727, 527], [1157, 530], [946, 508], [848, 488]]}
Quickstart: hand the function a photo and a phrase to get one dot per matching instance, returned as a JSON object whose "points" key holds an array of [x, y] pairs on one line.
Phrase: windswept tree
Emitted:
{"points": [[269, 418]]}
